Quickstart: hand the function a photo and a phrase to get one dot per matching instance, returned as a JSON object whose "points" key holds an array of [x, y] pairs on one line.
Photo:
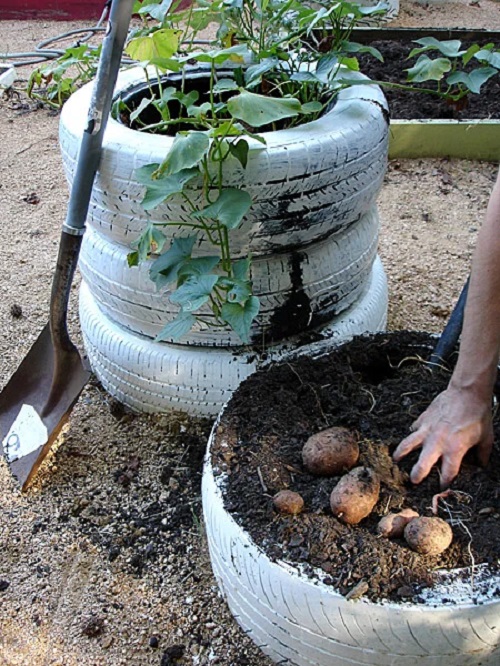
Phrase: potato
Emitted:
{"points": [[393, 525], [330, 452], [355, 495], [428, 536], [288, 501]]}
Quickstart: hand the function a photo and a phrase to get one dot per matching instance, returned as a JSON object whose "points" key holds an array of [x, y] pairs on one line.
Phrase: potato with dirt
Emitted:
{"points": [[355, 495], [330, 452], [288, 501], [428, 536], [392, 526]]}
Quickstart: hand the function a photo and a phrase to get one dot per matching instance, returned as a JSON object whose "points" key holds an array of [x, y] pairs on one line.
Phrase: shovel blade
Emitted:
{"points": [[29, 425]]}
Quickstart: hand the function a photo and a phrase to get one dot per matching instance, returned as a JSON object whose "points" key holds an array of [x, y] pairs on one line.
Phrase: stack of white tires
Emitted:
{"points": [[312, 234]]}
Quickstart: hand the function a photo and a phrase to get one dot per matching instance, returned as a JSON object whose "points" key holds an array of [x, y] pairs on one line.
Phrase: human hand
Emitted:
{"points": [[454, 422]]}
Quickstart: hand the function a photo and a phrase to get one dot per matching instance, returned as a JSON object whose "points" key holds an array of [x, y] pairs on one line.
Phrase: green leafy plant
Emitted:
{"points": [[457, 73], [55, 81], [454, 83], [265, 71], [273, 64]]}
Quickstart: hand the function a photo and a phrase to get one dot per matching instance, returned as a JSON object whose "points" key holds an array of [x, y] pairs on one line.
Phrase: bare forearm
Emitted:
{"points": [[459, 418], [480, 344]]}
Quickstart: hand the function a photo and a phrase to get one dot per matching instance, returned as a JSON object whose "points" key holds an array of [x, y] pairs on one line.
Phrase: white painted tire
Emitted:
{"points": [[298, 620], [152, 377], [7, 75], [306, 183], [313, 284]]}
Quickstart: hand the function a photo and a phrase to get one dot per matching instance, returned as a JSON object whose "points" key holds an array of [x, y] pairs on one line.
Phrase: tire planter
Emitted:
{"points": [[298, 620], [148, 376], [333, 274], [302, 622], [312, 233], [307, 182]]}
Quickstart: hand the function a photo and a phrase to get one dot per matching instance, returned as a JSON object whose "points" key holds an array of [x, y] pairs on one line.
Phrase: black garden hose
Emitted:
{"points": [[42, 53]]}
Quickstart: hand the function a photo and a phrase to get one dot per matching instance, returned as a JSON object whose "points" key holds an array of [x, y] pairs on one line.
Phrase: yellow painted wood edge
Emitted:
{"points": [[465, 139]]}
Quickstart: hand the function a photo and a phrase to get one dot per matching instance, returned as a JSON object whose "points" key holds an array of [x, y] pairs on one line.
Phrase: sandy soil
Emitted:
{"points": [[104, 561]]}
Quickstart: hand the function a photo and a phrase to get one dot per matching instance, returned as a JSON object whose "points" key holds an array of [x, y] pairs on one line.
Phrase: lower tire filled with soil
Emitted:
{"points": [[313, 591]]}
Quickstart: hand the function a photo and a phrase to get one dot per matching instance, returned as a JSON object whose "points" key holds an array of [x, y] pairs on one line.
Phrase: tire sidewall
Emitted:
{"points": [[306, 182]]}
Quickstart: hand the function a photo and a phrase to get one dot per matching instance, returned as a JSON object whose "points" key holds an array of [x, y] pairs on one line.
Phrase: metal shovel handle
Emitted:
{"points": [[87, 163]]}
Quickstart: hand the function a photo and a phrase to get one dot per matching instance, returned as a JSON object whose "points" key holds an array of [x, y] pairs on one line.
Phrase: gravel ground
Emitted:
{"points": [[104, 561]]}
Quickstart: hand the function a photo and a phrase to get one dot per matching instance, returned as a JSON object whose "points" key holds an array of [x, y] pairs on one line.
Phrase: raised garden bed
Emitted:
{"points": [[422, 126]]}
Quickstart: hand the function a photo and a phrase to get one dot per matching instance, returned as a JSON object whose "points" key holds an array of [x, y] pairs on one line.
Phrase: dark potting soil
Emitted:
{"points": [[376, 386], [415, 106]]}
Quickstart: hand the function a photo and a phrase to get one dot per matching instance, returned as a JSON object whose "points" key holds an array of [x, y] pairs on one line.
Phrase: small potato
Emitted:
{"points": [[330, 452], [288, 501], [393, 525], [355, 495], [428, 536]]}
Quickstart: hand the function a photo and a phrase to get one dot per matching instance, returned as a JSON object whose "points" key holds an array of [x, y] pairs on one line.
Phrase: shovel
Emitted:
{"points": [[37, 400]]}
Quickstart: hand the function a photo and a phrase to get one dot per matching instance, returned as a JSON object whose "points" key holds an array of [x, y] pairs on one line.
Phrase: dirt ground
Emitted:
{"points": [[104, 561]]}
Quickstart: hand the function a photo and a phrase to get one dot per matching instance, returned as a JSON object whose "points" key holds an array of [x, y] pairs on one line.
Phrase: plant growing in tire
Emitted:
{"points": [[242, 178], [264, 73], [446, 71]]}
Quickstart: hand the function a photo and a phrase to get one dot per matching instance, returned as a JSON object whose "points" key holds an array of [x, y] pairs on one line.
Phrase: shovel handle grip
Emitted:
{"points": [[69, 250], [99, 110]]}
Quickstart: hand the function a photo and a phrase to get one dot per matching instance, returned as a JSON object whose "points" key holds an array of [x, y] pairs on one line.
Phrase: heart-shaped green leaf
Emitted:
{"points": [[218, 56], [241, 268], [145, 102], [239, 149], [254, 73], [258, 110], [223, 85], [161, 188], [240, 317], [449, 48], [197, 266], [165, 269], [159, 44], [194, 292], [491, 57], [239, 291], [151, 241], [474, 80], [177, 328], [229, 209], [187, 151], [311, 107], [426, 69]]}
